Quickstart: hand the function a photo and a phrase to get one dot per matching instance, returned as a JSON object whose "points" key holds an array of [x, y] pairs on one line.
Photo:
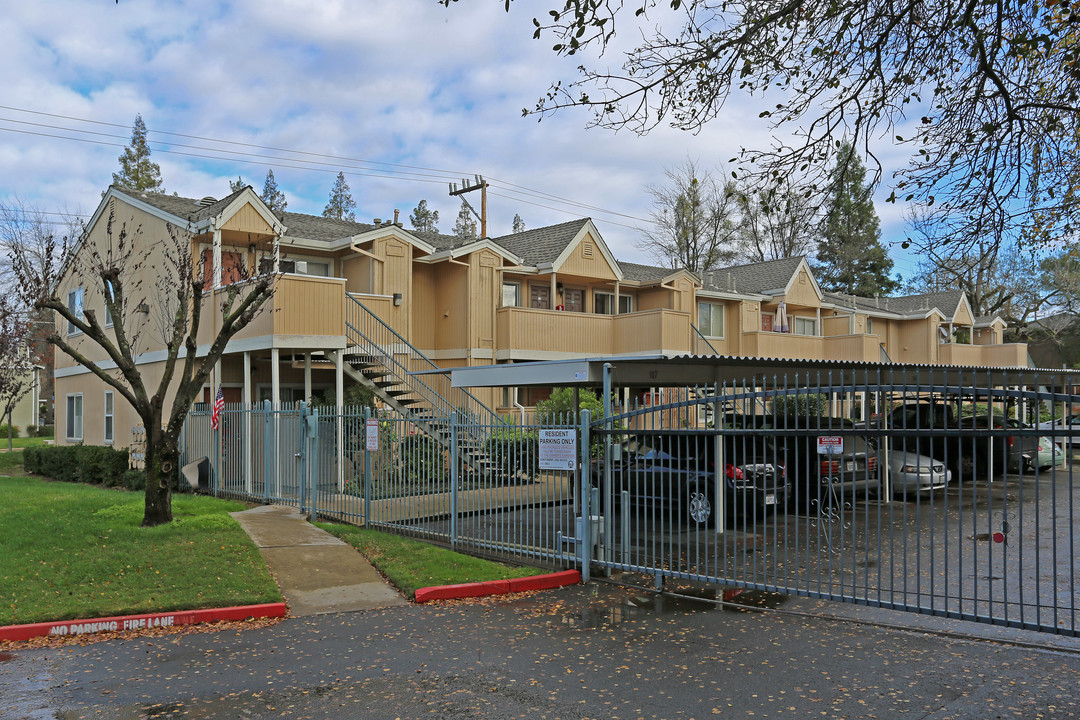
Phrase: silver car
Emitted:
{"points": [[912, 473], [1065, 432]]}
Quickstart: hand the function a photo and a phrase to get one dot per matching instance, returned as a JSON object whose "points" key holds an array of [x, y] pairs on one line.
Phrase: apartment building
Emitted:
{"points": [[372, 303]]}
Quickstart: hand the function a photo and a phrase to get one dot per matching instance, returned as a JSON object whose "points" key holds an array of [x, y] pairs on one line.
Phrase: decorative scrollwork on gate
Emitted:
{"points": [[827, 511]]}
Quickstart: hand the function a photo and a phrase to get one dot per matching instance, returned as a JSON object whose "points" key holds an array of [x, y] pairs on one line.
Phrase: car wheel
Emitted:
{"points": [[699, 506]]}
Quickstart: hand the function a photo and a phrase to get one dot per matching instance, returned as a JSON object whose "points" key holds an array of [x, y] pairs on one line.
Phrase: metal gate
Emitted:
{"points": [[938, 497]]}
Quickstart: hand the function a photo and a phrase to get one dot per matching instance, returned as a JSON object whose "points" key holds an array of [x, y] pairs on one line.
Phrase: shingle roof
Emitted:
{"points": [[753, 278], [312, 227], [644, 273], [186, 208], [542, 245], [945, 301]]}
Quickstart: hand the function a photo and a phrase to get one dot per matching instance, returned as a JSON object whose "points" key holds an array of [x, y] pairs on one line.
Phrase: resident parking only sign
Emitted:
{"points": [[830, 445], [558, 449]]}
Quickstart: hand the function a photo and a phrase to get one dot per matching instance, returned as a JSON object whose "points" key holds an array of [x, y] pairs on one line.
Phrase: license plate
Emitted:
{"points": [[770, 499], [849, 466]]}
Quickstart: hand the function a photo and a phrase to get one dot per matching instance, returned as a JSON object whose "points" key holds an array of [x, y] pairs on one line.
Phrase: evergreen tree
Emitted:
{"points": [[850, 256], [274, 198], [423, 219], [238, 185], [341, 202], [136, 170], [519, 224], [465, 227]]}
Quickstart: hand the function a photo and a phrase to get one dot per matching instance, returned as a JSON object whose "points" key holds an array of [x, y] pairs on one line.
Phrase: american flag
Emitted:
{"points": [[219, 405]]}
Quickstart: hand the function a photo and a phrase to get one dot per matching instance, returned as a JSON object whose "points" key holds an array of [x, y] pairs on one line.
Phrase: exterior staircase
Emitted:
{"points": [[382, 360]]}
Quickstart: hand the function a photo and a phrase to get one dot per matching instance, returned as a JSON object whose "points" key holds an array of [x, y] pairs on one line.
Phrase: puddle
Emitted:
{"points": [[755, 599], [626, 607]]}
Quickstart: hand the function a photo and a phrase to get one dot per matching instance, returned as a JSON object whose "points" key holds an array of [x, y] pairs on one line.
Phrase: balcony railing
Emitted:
{"points": [[528, 330], [302, 305], [1007, 355]]}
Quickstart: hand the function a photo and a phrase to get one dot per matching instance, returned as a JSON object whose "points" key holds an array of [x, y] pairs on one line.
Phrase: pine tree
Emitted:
{"points": [[519, 224], [238, 185], [423, 219], [274, 198], [850, 256], [341, 202], [136, 170], [465, 227]]}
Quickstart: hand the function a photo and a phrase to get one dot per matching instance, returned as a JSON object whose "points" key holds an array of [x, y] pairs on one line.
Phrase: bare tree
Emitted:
{"points": [[986, 95], [29, 229], [16, 365], [112, 266], [693, 223], [775, 223]]}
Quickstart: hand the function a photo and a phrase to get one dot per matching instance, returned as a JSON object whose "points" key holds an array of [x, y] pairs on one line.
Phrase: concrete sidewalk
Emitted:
{"points": [[317, 572]]}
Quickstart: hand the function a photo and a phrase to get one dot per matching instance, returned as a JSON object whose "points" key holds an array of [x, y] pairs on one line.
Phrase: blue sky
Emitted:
{"points": [[407, 83]]}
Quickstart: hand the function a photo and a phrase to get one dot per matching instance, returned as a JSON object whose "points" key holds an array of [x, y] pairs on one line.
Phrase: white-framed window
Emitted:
{"points": [[108, 417], [604, 303], [511, 294], [108, 314], [75, 306], [74, 429], [318, 268], [711, 319], [805, 326], [869, 326]]}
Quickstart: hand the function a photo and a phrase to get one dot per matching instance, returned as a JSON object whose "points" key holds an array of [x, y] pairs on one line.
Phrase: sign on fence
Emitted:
{"points": [[830, 445], [558, 449], [372, 444]]}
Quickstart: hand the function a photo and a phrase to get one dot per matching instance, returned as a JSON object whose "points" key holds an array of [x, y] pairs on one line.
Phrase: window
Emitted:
{"points": [[108, 314], [805, 326], [603, 302], [511, 294], [74, 417], [75, 305], [108, 417], [869, 326], [711, 319]]}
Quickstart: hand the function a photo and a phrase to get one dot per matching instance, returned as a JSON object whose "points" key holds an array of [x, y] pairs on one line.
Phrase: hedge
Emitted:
{"points": [[89, 464]]}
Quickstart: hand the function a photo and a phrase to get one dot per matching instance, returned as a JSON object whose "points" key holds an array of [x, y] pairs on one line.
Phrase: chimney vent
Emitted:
{"points": [[397, 214], [377, 222]]}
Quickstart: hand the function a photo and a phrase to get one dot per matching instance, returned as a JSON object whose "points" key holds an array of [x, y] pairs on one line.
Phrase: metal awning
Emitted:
{"points": [[685, 370]]}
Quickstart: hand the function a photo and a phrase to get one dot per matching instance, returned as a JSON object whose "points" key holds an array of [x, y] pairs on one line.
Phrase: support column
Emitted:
{"points": [[616, 298], [275, 377], [307, 377], [554, 292], [217, 258]]}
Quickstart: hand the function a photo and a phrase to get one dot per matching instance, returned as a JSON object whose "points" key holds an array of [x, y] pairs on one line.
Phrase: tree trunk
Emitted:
{"points": [[162, 456]]}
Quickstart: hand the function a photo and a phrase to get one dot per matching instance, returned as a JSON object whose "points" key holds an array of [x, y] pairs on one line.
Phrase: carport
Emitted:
{"points": [[996, 546]]}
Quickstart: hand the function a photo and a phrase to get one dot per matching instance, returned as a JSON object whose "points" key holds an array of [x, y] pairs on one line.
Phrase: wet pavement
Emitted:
{"points": [[595, 651]]}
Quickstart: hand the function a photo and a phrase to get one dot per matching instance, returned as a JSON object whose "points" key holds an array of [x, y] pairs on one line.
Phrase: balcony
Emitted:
{"points": [[302, 307], [782, 345], [526, 333], [1007, 355]]}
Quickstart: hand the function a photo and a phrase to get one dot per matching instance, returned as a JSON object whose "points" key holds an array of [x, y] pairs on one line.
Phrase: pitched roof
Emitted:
{"points": [[313, 227], [945, 301], [542, 245], [753, 278], [189, 209], [644, 273]]}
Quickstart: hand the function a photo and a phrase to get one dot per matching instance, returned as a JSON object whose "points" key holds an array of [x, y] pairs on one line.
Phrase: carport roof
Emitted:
{"points": [[688, 370]]}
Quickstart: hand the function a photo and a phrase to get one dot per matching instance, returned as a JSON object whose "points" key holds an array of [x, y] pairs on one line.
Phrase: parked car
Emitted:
{"points": [[676, 475], [1020, 452], [850, 471], [911, 473], [1065, 432], [933, 429]]}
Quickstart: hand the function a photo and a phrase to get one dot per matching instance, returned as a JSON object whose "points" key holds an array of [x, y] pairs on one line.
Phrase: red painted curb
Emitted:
{"points": [[497, 587], [120, 623]]}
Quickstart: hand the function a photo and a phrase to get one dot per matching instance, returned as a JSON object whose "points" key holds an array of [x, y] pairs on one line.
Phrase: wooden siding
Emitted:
{"points": [[248, 220], [301, 305], [451, 307], [525, 329], [578, 263], [783, 345], [802, 291], [836, 325], [1009, 355], [423, 305], [862, 348]]}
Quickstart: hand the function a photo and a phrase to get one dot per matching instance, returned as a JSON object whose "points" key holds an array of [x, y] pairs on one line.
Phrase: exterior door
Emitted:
{"points": [[540, 297], [574, 299]]}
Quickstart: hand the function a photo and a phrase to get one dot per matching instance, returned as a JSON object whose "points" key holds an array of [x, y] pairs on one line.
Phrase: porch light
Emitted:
{"points": [[397, 299]]}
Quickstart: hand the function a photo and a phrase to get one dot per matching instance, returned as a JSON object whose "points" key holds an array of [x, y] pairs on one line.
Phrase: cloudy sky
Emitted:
{"points": [[402, 96]]}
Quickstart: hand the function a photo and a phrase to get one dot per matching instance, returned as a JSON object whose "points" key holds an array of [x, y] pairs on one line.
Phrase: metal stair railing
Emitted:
{"points": [[368, 332]]}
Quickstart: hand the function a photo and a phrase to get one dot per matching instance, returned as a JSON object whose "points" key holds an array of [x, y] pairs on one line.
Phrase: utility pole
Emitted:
{"points": [[479, 184]]}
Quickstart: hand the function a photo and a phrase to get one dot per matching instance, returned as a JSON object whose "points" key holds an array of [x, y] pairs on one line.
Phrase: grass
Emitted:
{"points": [[18, 443], [77, 551], [411, 564]]}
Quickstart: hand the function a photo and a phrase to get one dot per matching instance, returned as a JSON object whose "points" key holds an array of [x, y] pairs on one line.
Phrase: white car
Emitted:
{"points": [[1063, 431], [911, 473]]}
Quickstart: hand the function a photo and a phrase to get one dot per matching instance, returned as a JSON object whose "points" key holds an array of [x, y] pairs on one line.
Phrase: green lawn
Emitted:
{"points": [[77, 551], [24, 442], [411, 564]]}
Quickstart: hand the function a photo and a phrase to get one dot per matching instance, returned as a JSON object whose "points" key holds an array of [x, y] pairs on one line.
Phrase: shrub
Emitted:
{"points": [[802, 405], [514, 452], [46, 431], [4, 430], [134, 480], [31, 431], [78, 463]]}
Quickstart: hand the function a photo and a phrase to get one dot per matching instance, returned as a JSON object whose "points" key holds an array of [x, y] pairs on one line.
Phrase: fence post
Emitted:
{"points": [[312, 451], [453, 478], [367, 473], [267, 444], [302, 457], [585, 533]]}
